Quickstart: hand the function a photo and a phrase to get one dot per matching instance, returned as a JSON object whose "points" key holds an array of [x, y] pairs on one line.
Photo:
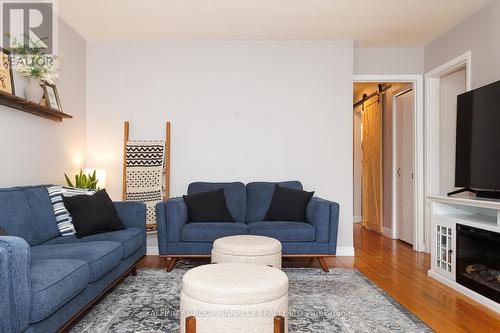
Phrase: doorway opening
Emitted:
{"points": [[442, 85], [451, 85], [384, 120]]}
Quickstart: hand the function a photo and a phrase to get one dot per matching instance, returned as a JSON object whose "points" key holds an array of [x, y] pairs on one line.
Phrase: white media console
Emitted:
{"points": [[447, 212]]}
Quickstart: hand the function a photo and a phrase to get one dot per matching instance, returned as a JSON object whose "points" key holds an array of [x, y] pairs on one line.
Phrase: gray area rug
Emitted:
{"points": [[342, 300]]}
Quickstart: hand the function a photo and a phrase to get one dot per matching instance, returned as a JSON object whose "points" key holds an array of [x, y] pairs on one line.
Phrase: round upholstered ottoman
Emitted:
{"points": [[247, 249], [234, 297]]}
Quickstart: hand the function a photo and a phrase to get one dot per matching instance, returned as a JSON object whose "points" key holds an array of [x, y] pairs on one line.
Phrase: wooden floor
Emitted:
{"points": [[402, 273]]}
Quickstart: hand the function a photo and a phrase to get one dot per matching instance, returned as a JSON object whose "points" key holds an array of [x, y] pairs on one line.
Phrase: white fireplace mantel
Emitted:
{"points": [[446, 213]]}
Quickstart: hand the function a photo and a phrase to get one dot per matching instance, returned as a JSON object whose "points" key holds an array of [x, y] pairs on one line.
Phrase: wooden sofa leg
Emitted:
{"points": [[134, 271], [323, 264], [279, 324], [191, 324], [310, 262], [171, 264]]}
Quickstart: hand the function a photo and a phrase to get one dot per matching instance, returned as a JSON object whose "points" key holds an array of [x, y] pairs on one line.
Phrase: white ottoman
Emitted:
{"points": [[234, 297], [247, 249]]}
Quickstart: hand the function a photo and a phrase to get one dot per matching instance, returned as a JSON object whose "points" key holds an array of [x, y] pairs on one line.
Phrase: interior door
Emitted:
{"points": [[405, 109], [372, 164]]}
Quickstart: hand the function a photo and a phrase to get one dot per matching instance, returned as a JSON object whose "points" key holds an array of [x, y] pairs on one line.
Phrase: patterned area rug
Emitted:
{"points": [[340, 301]]}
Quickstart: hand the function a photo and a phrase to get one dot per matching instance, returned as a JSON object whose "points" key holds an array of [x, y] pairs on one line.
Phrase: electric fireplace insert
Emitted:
{"points": [[478, 261]]}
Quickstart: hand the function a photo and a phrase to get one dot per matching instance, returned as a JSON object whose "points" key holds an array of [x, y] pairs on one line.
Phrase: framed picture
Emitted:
{"points": [[6, 76], [51, 96]]}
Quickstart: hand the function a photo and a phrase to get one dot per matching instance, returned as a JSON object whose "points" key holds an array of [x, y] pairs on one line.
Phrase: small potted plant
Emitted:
{"points": [[84, 181], [31, 62]]}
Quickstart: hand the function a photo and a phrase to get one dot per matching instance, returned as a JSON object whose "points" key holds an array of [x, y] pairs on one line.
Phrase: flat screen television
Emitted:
{"points": [[478, 139]]}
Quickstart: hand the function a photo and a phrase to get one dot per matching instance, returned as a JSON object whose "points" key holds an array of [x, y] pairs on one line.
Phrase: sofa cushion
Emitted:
{"points": [[209, 231], [101, 257], [235, 194], [53, 283], [43, 213], [259, 195], [130, 238], [16, 217], [284, 231]]}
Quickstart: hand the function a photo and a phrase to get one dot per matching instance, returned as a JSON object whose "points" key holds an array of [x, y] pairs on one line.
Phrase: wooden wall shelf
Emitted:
{"points": [[24, 105]]}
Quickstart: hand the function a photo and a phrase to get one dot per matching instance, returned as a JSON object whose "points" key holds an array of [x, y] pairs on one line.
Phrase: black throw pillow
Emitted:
{"points": [[93, 214], [288, 205], [208, 207], [3, 232]]}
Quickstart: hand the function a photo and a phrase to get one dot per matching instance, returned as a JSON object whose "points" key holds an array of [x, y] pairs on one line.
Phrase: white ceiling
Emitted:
{"points": [[370, 23]]}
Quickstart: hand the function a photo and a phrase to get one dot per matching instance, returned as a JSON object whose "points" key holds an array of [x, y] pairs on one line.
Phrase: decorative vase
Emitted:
{"points": [[33, 91]]}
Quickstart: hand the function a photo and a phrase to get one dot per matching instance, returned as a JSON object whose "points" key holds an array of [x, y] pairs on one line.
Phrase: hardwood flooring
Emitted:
{"points": [[402, 273]]}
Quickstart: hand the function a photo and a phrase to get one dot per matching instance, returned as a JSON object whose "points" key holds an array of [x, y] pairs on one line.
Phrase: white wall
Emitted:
{"points": [[451, 85], [481, 35], [239, 110], [388, 61], [39, 151]]}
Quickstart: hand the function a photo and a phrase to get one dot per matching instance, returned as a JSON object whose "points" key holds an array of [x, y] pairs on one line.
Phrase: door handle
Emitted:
{"points": [[399, 172]]}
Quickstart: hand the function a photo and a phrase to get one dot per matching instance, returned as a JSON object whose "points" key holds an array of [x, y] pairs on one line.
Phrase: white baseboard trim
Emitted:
{"points": [[357, 219], [152, 251], [345, 251], [388, 232]]}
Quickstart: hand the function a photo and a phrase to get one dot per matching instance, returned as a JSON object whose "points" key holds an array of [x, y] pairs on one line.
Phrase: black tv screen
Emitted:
{"points": [[478, 138]]}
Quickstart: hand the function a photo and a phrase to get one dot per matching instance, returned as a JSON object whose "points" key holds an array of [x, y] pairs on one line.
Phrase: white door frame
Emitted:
{"points": [[394, 222], [432, 106], [418, 158]]}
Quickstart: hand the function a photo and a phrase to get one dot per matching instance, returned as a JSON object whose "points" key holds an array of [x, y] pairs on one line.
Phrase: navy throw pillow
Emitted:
{"points": [[208, 206], [93, 214], [288, 205]]}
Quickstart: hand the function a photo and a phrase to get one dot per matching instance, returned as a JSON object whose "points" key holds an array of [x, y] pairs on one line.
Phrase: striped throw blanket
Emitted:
{"points": [[63, 217], [145, 161]]}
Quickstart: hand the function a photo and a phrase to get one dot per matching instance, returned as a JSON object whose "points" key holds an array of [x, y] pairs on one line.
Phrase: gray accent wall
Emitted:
{"points": [[480, 34], [388, 61]]}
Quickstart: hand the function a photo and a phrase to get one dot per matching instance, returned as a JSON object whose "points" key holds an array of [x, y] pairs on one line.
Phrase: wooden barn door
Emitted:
{"points": [[372, 165]]}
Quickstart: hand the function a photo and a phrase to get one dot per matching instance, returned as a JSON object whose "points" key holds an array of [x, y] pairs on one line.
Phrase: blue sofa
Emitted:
{"points": [[47, 280], [177, 238]]}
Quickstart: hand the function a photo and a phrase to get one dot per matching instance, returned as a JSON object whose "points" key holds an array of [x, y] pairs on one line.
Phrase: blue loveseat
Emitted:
{"points": [[177, 238], [46, 280]]}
